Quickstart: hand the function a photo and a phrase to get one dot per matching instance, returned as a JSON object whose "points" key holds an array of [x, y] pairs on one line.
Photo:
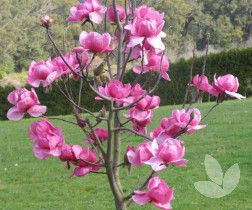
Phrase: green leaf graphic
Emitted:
{"points": [[213, 169], [231, 178], [209, 189]]}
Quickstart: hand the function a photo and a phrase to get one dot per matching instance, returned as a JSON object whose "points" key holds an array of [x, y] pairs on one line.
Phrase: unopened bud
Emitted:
{"points": [[102, 113], [81, 123], [46, 21]]}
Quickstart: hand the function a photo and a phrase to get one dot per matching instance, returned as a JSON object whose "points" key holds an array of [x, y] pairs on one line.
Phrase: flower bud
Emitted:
{"points": [[46, 21]]}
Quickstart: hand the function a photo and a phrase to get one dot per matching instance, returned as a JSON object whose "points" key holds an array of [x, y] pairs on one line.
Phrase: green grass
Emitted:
{"points": [[35, 184]]}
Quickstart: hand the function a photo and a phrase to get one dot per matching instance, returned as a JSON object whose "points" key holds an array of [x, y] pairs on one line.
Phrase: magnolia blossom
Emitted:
{"points": [[141, 114], [189, 120], [148, 102], [46, 72], [73, 59], [227, 84], [147, 25], [83, 158], [158, 193], [41, 72], [95, 42], [120, 11], [152, 63], [102, 135], [91, 10], [201, 83], [115, 90], [48, 139], [24, 101], [139, 155], [139, 118], [68, 152], [135, 93], [169, 152]]}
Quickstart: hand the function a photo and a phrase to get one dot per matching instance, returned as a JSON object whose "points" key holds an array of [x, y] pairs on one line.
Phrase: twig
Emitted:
{"points": [[142, 187], [60, 119], [210, 110], [59, 52], [132, 131], [97, 139]]}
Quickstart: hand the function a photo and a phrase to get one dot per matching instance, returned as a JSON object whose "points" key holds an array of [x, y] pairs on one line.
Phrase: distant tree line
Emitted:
{"points": [[188, 22]]}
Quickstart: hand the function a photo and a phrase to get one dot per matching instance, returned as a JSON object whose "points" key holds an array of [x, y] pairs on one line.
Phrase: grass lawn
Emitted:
{"points": [[28, 183]]}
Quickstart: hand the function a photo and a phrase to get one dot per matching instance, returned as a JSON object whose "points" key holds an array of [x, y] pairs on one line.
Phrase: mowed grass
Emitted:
{"points": [[28, 183]]}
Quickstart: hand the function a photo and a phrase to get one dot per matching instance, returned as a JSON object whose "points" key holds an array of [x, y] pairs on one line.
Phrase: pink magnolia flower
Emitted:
{"points": [[181, 119], [41, 72], [120, 11], [227, 84], [201, 83], [156, 132], [115, 90], [139, 118], [72, 60], [48, 139], [152, 63], [148, 102], [147, 25], [170, 152], [135, 93], [91, 10], [139, 155], [158, 193], [86, 161], [95, 42], [101, 133], [24, 101], [83, 158], [67, 152]]}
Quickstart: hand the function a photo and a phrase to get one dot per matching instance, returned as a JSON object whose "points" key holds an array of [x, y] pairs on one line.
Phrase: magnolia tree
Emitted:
{"points": [[136, 44]]}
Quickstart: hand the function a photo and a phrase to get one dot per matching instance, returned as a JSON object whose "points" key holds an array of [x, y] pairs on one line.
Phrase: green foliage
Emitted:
{"points": [[23, 40]]}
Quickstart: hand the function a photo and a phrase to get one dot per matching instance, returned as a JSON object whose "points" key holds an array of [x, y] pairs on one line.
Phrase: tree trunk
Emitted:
{"points": [[113, 160]]}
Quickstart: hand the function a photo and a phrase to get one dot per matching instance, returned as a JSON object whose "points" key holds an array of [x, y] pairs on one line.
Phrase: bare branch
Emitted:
{"points": [[132, 131]]}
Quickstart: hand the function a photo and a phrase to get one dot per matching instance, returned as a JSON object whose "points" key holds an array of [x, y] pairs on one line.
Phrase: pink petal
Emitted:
{"points": [[51, 78], [77, 149], [96, 17], [156, 164], [98, 98], [235, 95], [37, 110], [83, 35], [81, 171], [166, 206], [40, 153], [137, 69], [135, 40], [165, 76], [132, 158], [14, 114], [140, 198], [156, 42], [181, 162], [128, 27]]}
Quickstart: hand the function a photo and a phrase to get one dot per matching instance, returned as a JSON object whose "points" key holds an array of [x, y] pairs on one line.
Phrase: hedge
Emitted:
{"points": [[236, 62]]}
